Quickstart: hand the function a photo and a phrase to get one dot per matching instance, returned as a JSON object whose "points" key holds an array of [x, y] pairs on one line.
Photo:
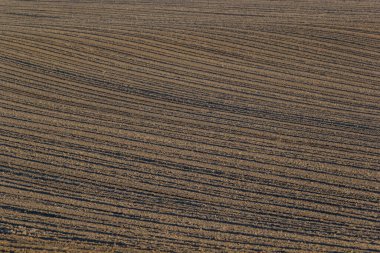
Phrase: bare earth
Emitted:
{"points": [[189, 126]]}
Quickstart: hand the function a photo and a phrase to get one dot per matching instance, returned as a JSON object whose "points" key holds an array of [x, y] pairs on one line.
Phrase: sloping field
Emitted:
{"points": [[187, 126]]}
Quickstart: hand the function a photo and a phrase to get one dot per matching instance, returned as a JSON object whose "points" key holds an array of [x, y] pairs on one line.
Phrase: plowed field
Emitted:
{"points": [[188, 126]]}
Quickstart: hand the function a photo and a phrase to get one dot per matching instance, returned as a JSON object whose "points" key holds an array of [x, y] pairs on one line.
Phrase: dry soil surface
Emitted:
{"points": [[187, 126]]}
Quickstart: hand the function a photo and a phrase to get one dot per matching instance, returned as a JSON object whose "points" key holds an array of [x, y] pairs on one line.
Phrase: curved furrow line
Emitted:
{"points": [[262, 147], [242, 112], [177, 116], [167, 40], [144, 161], [266, 213], [138, 171], [293, 167], [103, 101], [221, 155], [246, 234], [310, 233], [71, 113], [272, 194], [256, 59], [193, 134]]}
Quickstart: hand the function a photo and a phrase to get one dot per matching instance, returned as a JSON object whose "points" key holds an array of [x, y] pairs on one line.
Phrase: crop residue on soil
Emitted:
{"points": [[185, 126]]}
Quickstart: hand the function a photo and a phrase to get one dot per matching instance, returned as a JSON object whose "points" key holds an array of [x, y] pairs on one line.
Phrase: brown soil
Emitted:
{"points": [[187, 126]]}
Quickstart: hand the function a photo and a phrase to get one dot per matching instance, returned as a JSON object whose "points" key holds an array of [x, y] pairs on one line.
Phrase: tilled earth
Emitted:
{"points": [[187, 126]]}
